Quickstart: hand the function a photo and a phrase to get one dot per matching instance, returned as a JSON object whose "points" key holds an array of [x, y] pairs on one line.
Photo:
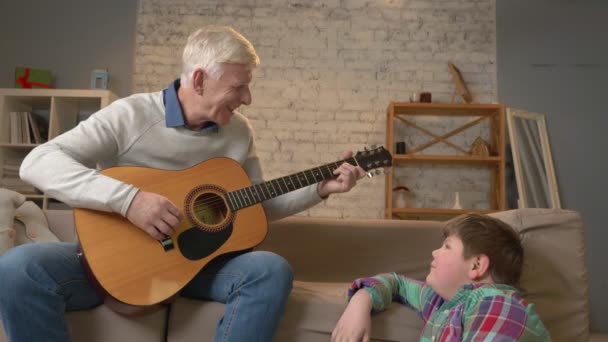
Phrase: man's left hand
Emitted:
{"points": [[347, 176]]}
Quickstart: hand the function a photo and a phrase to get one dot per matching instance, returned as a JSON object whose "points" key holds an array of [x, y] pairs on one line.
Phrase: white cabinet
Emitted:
{"points": [[54, 111]]}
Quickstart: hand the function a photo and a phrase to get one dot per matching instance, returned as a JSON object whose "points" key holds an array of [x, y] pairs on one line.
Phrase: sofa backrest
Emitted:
{"points": [[554, 277]]}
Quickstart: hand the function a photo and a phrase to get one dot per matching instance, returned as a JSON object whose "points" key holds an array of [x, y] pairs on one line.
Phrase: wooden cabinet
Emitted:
{"points": [[26, 115], [422, 121]]}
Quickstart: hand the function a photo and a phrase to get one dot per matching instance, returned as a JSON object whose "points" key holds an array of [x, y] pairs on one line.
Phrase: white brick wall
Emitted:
{"points": [[329, 69]]}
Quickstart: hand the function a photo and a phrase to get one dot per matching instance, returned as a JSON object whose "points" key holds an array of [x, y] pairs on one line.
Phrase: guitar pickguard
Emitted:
{"points": [[196, 244]]}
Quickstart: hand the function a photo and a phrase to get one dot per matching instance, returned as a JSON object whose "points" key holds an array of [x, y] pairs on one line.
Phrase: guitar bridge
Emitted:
{"points": [[167, 244]]}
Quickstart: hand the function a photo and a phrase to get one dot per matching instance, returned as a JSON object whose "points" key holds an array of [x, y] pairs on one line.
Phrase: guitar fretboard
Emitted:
{"points": [[261, 192]]}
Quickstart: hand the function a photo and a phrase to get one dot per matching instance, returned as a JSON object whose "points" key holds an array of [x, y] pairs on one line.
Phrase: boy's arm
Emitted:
{"points": [[501, 318], [388, 287]]}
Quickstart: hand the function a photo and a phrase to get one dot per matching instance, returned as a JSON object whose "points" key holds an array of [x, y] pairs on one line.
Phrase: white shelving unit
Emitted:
{"points": [[62, 109]]}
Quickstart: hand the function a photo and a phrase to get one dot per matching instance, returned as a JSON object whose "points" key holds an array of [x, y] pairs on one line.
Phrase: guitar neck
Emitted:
{"points": [[261, 192]]}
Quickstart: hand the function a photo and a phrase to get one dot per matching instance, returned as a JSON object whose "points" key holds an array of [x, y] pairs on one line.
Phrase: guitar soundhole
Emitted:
{"points": [[206, 208]]}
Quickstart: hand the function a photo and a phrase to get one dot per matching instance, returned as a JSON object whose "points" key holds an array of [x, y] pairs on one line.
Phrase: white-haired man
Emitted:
{"points": [[192, 120]]}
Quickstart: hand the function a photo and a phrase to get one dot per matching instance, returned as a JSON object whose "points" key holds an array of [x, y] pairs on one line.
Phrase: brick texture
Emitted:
{"points": [[328, 71]]}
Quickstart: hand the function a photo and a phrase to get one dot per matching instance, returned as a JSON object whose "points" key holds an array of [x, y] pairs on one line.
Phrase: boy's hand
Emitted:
{"points": [[355, 325]]}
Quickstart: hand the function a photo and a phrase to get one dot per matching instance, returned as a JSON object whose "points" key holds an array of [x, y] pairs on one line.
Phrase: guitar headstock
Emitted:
{"points": [[375, 158]]}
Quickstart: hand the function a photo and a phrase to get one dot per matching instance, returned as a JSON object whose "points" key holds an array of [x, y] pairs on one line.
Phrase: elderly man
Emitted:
{"points": [[192, 120]]}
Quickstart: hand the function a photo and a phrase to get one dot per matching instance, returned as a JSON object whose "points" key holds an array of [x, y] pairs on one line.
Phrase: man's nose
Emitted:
{"points": [[246, 97]]}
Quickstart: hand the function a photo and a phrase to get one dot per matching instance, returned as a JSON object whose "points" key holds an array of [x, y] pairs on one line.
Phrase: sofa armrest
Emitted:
{"points": [[596, 337], [340, 250], [61, 223]]}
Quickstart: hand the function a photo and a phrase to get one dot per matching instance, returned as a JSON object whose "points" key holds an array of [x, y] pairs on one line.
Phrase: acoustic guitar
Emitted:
{"points": [[222, 214]]}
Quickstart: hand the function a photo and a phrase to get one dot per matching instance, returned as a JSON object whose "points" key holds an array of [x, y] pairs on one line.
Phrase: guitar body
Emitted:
{"points": [[136, 269]]}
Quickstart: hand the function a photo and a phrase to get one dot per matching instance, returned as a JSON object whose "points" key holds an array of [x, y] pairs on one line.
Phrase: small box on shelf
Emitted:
{"points": [[28, 78]]}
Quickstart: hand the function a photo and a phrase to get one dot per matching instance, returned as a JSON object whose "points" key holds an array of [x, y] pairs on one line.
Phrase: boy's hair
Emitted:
{"points": [[482, 234]]}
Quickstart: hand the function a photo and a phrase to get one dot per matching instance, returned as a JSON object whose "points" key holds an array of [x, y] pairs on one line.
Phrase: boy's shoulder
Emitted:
{"points": [[519, 318], [494, 293]]}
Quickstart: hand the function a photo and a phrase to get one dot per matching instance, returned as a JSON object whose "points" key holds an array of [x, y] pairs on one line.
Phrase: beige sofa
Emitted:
{"points": [[327, 254]]}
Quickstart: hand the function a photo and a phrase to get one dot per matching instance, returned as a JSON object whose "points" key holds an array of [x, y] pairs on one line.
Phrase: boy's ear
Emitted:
{"points": [[479, 267]]}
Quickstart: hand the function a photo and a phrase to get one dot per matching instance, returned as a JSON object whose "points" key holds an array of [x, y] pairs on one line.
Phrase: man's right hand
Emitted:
{"points": [[154, 214]]}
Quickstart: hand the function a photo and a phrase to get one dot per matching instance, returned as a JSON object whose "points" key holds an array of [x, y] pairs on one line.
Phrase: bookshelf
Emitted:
{"points": [[29, 117], [461, 157]]}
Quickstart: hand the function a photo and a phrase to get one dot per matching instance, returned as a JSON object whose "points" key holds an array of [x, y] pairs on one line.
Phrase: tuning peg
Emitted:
{"points": [[370, 175], [374, 146], [377, 172]]}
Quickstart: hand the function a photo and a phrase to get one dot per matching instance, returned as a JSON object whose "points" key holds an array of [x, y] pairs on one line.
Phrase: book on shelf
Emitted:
{"points": [[27, 128], [15, 125]]}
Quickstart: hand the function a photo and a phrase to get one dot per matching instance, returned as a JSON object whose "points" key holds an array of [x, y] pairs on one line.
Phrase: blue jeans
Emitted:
{"points": [[40, 282]]}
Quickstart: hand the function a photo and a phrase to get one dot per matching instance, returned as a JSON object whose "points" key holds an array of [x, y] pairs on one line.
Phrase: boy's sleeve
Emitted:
{"points": [[501, 318], [388, 287]]}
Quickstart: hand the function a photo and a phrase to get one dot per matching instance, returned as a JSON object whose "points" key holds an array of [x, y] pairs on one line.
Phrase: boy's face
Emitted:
{"points": [[449, 270]]}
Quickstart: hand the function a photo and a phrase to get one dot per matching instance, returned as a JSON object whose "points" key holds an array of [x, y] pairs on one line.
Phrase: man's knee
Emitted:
{"points": [[277, 270]]}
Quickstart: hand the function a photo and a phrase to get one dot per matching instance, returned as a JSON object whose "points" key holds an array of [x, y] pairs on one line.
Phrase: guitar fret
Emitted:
{"points": [[286, 184], [267, 192], [230, 201], [278, 184], [239, 198], [331, 172], [260, 198], [273, 191], [293, 184], [280, 192], [317, 174], [251, 197], [298, 178], [242, 198], [305, 178], [264, 190]]}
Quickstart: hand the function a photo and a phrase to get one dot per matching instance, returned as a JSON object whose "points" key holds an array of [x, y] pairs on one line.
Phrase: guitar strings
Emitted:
{"points": [[219, 200]]}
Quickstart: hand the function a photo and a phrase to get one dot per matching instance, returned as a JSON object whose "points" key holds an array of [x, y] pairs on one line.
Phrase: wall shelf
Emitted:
{"points": [[478, 114], [56, 110]]}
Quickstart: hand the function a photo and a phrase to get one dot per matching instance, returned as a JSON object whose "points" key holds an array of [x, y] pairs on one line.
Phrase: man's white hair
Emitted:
{"points": [[209, 47]]}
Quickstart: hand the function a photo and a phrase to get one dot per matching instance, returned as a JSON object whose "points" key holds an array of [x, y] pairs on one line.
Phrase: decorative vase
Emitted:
{"points": [[400, 197], [457, 201]]}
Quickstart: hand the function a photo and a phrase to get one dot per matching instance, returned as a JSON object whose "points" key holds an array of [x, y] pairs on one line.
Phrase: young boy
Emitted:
{"points": [[469, 293]]}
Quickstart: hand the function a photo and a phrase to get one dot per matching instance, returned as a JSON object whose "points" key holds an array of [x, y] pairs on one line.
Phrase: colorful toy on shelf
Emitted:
{"points": [[32, 78]]}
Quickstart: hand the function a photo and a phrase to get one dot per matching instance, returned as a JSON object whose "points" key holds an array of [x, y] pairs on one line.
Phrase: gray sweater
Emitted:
{"points": [[132, 132]]}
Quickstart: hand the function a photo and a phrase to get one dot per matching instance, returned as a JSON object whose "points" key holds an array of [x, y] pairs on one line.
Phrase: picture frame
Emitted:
{"points": [[532, 160]]}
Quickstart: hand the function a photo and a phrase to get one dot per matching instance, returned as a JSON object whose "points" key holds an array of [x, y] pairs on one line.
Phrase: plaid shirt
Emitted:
{"points": [[478, 312]]}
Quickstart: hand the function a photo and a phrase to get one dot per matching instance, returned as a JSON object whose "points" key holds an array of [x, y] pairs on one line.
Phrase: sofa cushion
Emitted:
{"points": [[554, 277], [312, 312]]}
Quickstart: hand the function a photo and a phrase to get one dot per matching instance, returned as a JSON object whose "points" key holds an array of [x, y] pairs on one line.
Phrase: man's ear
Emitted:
{"points": [[198, 81], [479, 267]]}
